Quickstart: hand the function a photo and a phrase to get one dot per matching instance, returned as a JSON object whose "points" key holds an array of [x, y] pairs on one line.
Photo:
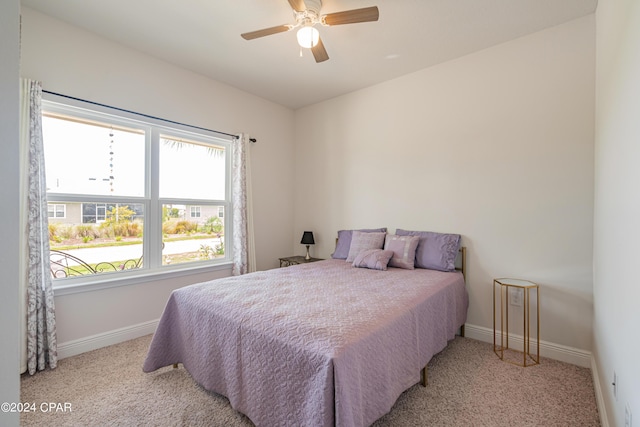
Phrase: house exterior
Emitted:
{"points": [[95, 213]]}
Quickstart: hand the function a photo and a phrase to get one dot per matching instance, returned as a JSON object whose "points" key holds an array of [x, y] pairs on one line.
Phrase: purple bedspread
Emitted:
{"points": [[316, 344]]}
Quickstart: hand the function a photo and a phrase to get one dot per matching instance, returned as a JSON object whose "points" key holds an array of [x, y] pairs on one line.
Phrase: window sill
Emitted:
{"points": [[134, 279]]}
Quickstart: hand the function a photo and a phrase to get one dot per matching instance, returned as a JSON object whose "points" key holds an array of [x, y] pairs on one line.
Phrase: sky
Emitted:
{"points": [[83, 158]]}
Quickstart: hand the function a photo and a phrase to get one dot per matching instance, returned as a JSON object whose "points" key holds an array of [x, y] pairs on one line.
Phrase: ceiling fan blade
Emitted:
{"points": [[265, 32], [298, 5], [319, 52], [366, 14]]}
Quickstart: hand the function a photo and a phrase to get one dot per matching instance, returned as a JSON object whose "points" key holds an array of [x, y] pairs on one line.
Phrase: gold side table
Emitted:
{"points": [[504, 286]]}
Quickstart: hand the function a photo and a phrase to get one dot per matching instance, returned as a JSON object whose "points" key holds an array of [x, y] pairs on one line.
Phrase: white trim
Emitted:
{"points": [[94, 342], [602, 409], [134, 277], [152, 201], [548, 349]]}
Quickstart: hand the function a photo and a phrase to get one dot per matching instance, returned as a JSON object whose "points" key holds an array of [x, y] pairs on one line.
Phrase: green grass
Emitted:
{"points": [[79, 270]]}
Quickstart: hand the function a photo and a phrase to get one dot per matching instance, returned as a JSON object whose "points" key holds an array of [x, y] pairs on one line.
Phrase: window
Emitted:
{"points": [[96, 213], [136, 196], [56, 211], [195, 211]]}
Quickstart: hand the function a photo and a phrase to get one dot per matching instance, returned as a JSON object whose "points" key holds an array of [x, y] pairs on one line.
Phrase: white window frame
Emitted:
{"points": [[194, 212], [100, 207], [55, 210], [152, 245]]}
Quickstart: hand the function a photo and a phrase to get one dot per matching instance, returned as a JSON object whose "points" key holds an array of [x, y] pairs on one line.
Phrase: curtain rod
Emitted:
{"points": [[144, 115]]}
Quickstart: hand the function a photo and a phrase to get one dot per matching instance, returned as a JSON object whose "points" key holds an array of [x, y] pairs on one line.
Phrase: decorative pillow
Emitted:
{"points": [[436, 251], [344, 241], [404, 250], [375, 259], [361, 241]]}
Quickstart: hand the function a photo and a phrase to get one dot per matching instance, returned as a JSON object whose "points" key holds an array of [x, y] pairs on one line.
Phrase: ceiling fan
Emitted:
{"points": [[307, 15]]}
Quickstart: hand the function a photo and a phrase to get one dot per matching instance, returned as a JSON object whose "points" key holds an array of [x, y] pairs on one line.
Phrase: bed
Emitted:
{"points": [[316, 344]]}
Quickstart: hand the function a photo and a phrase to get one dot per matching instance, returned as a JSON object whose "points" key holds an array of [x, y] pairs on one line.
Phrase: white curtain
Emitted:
{"points": [[243, 243], [251, 255], [39, 328]]}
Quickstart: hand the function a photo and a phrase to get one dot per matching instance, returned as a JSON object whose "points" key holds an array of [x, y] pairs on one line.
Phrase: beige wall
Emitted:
{"points": [[496, 146], [617, 207], [74, 62], [9, 194]]}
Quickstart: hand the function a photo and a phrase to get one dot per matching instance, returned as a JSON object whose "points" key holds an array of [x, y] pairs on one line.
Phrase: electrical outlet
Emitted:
{"points": [[627, 415], [614, 384], [515, 296]]}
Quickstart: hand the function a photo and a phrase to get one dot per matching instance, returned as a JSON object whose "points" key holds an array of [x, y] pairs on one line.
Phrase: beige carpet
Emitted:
{"points": [[468, 386]]}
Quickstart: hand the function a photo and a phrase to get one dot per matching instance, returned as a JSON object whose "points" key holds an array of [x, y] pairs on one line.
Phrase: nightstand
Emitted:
{"points": [[516, 292], [294, 260]]}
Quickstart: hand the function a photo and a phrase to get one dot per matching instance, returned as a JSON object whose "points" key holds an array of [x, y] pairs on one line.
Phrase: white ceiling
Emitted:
{"points": [[204, 36]]}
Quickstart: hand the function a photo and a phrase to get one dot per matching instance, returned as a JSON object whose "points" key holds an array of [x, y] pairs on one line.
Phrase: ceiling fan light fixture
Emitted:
{"points": [[308, 37], [307, 15]]}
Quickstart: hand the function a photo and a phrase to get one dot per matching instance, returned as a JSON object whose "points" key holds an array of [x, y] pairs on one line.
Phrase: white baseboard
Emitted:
{"points": [[602, 410], [94, 342], [548, 349]]}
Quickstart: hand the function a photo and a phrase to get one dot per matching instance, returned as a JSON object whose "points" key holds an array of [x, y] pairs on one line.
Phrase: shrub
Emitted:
{"points": [[86, 230], [66, 231], [173, 226], [53, 231], [220, 248], [184, 227], [126, 229], [169, 227], [205, 252], [214, 225]]}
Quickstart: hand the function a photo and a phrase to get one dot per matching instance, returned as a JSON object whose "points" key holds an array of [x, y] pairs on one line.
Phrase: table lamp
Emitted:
{"points": [[307, 239]]}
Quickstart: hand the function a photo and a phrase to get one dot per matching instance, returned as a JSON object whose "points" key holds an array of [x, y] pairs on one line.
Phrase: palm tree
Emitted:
{"points": [[178, 144]]}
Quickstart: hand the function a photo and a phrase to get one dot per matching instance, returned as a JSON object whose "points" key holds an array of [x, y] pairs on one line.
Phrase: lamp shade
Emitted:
{"points": [[307, 238]]}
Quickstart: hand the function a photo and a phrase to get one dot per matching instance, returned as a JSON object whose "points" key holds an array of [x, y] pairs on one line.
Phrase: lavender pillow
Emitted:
{"points": [[362, 241], [404, 250], [344, 241], [436, 251], [375, 259]]}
